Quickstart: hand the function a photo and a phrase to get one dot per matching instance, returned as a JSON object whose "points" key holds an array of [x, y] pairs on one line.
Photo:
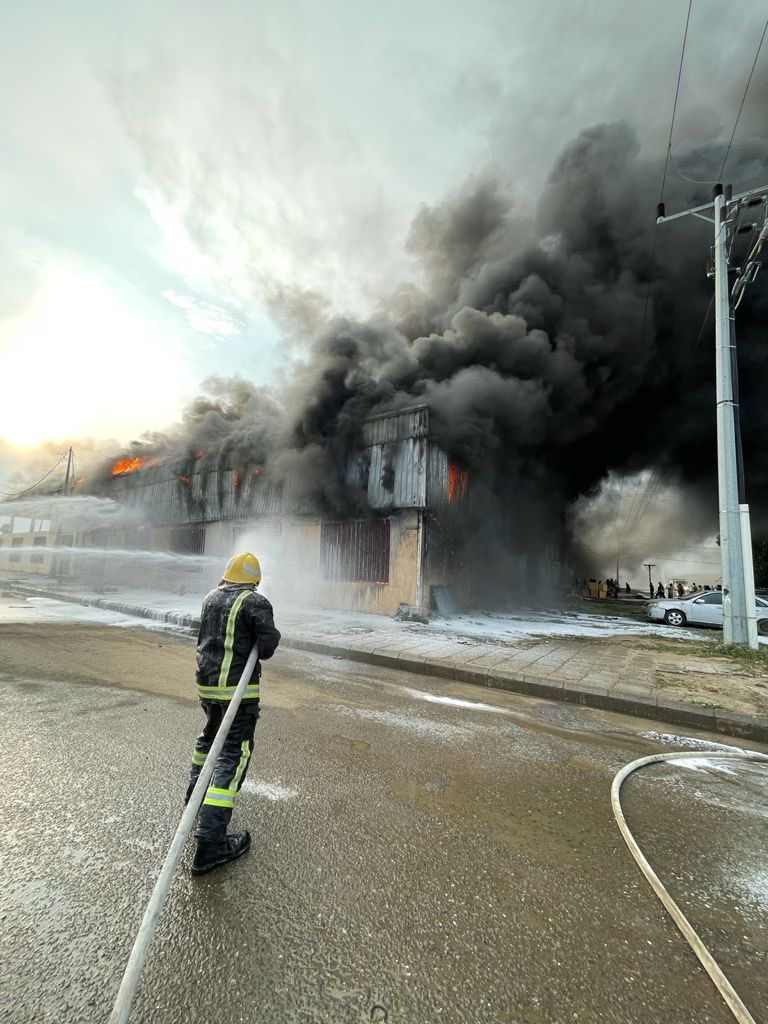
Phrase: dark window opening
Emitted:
{"points": [[189, 539], [355, 551], [16, 543], [38, 558]]}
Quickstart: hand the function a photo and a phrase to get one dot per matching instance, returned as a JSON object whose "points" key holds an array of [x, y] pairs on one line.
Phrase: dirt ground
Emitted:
{"points": [[698, 674]]}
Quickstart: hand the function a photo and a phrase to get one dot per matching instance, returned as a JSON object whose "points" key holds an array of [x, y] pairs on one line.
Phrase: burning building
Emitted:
{"points": [[404, 543]]}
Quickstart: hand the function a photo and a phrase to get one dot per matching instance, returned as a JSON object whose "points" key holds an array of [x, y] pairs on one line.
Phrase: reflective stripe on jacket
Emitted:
{"points": [[234, 617]]}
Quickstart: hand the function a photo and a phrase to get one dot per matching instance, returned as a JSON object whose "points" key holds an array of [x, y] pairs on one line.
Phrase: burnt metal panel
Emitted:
{"points": [[167, 497], [397, 474], [397, 466], [397, 425], [438, 465]]}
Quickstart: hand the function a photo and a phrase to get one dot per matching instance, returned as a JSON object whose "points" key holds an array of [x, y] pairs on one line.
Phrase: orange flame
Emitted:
{"points": [[185, 479], [457, 481], [131, 465]]}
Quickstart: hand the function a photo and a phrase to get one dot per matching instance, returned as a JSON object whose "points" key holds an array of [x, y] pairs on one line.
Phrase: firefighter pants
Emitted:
{"points": [[231, 765]]}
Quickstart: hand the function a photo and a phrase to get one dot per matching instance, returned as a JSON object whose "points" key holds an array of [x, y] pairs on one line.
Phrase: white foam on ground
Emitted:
{"points": [[270, 790], [455, 702], [421, 726], [705, 764], [45, 610], [671, 739], [530, 623], [752, 886], [508, 628]]}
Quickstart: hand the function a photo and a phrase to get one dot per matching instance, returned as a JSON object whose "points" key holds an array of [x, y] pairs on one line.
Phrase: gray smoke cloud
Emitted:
{"points": [[551, 351]]}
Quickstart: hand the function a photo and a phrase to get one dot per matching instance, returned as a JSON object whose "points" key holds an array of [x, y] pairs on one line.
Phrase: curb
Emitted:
{"points": [[728, 723]]}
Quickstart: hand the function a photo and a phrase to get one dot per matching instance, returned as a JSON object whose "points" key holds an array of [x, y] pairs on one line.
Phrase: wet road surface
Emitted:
{"points": [[442, 851]]}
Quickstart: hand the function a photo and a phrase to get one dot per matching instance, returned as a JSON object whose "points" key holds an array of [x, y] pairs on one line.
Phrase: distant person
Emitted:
{"points": [[234, 618], [680, 590], [660, 591], [627, 588], [670, 591]]}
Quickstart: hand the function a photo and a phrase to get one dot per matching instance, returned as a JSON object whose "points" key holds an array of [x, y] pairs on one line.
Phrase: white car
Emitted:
{"points": [[704, 608]]}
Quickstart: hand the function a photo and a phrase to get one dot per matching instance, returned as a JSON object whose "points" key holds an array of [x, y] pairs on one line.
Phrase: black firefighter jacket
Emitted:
{"points": [[234, 617]]}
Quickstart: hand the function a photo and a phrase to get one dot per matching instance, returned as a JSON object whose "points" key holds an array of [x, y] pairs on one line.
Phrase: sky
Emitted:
{"points": [[169, 170]]}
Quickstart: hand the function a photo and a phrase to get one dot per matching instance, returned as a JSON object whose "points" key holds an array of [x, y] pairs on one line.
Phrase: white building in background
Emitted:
{"points": [[25, 544]]}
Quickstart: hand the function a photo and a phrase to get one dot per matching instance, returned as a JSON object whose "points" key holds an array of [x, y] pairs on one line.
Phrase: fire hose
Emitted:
{"points": [[708, 962], [132, 976]]}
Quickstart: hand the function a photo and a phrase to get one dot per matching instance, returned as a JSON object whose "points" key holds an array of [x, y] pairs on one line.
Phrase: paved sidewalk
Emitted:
{"points": [[647, 673]]}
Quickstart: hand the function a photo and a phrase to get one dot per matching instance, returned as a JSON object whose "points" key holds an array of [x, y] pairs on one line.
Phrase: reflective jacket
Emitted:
{"points": [[234, 617]]}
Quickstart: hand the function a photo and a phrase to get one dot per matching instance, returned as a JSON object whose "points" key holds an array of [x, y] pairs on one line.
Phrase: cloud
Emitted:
{"points": [[205, 317]]}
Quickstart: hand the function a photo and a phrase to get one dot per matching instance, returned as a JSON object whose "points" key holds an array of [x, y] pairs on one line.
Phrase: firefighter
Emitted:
{"points": [[234, 617]]}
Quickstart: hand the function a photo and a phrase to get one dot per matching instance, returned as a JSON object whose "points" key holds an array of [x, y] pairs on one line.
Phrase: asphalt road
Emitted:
{"points": [[444, 862]]}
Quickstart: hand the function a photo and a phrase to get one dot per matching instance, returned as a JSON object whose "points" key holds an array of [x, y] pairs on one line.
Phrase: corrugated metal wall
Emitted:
{"points": [[397, 466], [168, 497], [397, 474], [396, 426], [355, 550]]}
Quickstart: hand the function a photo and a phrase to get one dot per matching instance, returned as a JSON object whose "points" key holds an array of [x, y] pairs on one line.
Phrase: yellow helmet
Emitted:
{"points": [[243, 568]]}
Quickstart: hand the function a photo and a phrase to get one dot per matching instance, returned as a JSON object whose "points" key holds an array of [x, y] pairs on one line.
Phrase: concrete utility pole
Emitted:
{"points": [[649, 566], [739, 625]]}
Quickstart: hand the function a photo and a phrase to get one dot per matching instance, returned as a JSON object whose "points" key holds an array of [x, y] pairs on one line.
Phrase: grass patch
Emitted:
{"points": [[756, 660], [625, 608], [748, 660]]}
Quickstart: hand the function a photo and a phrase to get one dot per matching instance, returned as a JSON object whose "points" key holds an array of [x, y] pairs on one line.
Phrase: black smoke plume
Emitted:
{"points": [[550, 353]]}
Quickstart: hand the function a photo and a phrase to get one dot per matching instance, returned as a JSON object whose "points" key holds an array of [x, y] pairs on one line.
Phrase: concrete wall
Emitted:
{"points": [[402, 588], [289, 549], [26, 553]]}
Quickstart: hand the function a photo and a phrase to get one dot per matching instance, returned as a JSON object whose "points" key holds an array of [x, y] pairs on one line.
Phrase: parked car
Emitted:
{"points": [[702, 609]]}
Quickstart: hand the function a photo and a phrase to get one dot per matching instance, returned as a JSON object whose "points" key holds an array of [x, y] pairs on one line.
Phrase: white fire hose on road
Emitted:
{"points": [[130, 983], [132, 976], [708, 962]]}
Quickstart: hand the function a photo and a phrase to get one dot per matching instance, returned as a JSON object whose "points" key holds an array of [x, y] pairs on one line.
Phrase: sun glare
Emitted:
{"points": [[85, 361]]}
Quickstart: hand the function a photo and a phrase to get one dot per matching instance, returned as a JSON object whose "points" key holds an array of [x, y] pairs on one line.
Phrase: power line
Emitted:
{"points": [[666, 167], [687, 177], [664, 550], [670, 155], [674, 106], [649, 490], [650, 497], [743, 99], [704, 321], [18, 494], [661, 195], [634, 499], [618, 508]]}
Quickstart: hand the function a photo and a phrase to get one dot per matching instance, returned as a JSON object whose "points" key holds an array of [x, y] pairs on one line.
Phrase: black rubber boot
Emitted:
{"points": [[210, 855]]}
